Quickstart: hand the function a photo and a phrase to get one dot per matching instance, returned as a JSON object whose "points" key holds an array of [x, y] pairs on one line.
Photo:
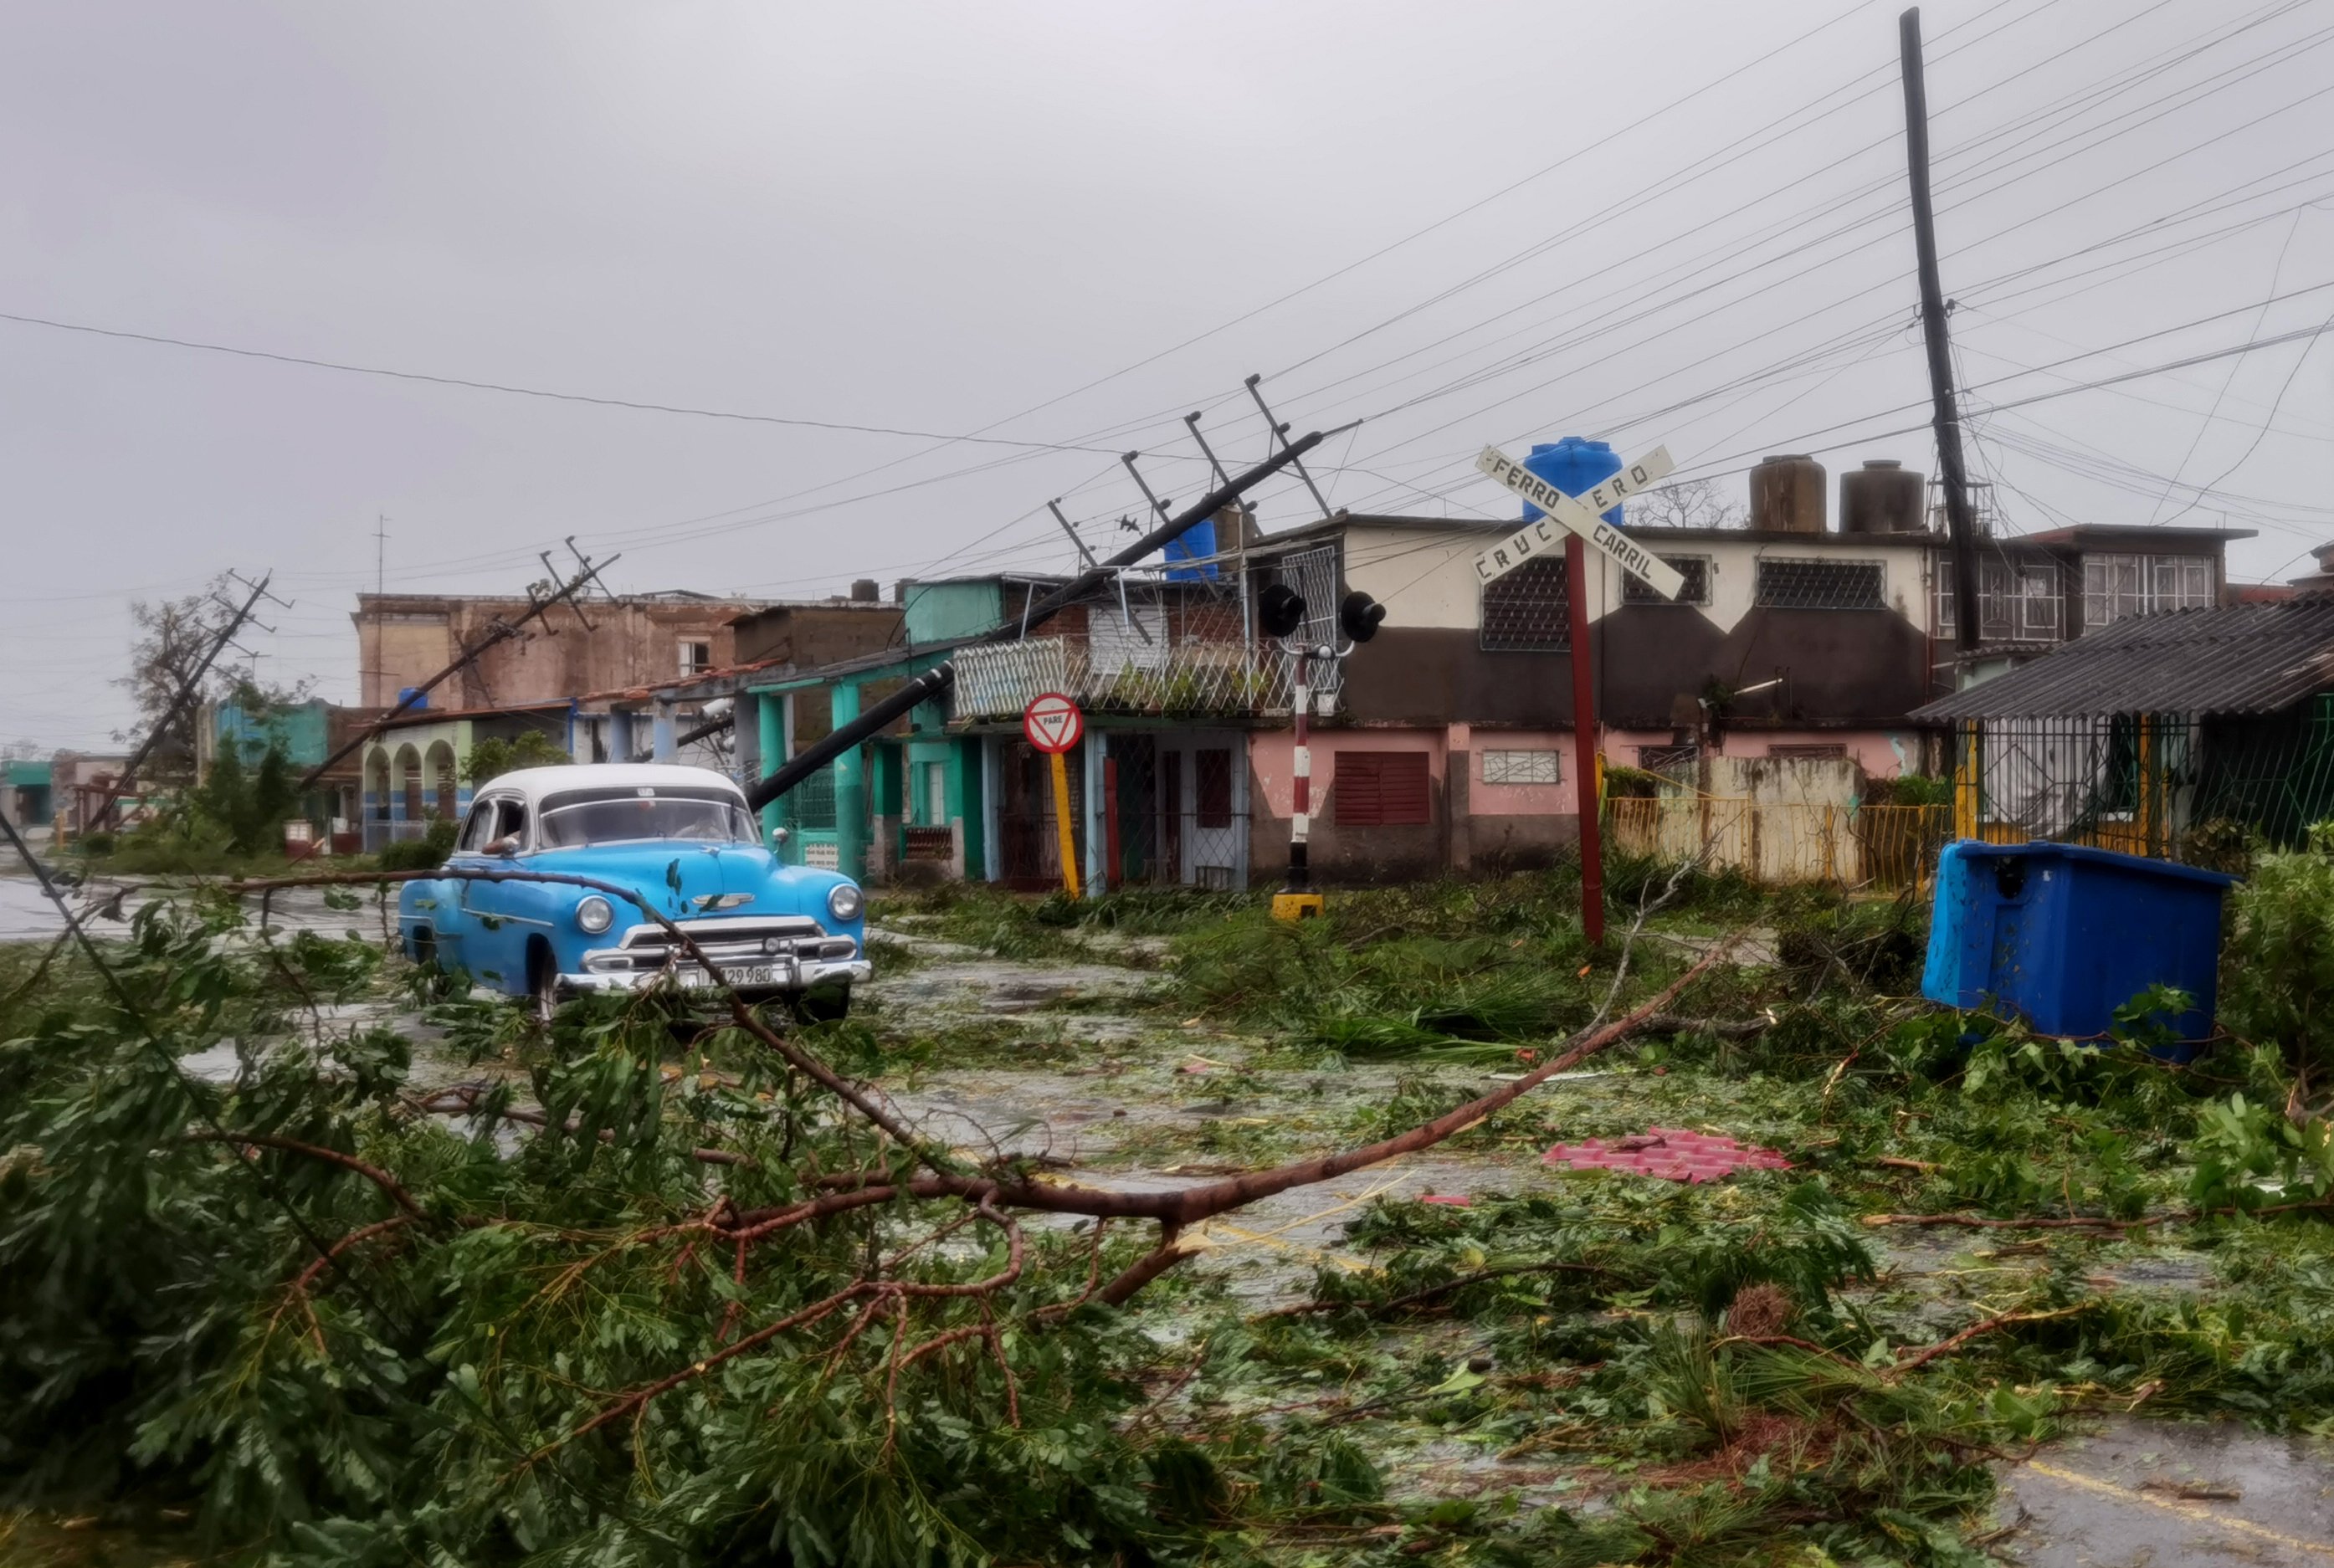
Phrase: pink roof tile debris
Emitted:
{"points": [[1671, 1153]]}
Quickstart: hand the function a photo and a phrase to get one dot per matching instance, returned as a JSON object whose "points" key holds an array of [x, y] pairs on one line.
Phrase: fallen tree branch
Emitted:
{"points": [[373, 1173], [1308, 1308], [800, 1060], [1955, 1342]]}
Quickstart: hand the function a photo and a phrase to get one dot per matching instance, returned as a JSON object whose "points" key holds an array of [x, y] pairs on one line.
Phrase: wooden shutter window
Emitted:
{"points": [[1387, 789]]}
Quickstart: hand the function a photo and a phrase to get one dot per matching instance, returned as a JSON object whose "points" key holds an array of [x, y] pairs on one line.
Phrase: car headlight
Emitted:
{"points": [[844, 902], [594, 914]]}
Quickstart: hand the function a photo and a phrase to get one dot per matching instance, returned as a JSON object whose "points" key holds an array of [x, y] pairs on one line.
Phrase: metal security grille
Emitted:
{"points": [[1029, 833], [1694, 569], [1168, 807], [1171, 812], [1793, 582], [2153, 784], [811, 803], [1313, 573], [1529, 611]]}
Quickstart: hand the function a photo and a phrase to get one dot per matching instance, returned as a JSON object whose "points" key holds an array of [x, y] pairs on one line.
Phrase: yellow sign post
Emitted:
{"points": [[1062, 824], [1053, 724]]}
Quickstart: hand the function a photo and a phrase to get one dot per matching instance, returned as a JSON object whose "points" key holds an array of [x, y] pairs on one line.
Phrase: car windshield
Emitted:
{"points": [[622, 816]]}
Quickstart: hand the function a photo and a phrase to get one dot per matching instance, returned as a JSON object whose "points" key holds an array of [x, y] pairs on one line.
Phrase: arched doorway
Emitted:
{"points": [[444, 787], [408, 772], [376, 784]]}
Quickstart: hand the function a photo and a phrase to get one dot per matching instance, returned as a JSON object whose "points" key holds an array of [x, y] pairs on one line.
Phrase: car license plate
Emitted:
{"points": [[739, 974]]}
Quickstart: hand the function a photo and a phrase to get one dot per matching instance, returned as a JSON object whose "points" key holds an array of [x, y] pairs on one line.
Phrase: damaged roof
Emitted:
{"points": [[2238, 659]]}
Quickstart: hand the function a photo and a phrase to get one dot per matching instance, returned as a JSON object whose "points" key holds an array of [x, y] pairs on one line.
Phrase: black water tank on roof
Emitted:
{"points": [[1883, 496]]}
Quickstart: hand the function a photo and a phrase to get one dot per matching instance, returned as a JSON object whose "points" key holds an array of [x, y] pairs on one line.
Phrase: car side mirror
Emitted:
{"points": [[504, 847]]}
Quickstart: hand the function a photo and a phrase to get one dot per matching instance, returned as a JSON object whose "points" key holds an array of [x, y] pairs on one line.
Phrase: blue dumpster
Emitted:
{"points": [[2062, 936]]}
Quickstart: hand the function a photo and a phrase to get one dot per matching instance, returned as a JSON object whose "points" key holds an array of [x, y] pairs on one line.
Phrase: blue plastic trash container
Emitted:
{"points": [[2062, 936]]}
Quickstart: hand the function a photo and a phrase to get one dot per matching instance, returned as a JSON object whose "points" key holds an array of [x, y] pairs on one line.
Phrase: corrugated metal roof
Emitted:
{"points": [[2238, 659]]}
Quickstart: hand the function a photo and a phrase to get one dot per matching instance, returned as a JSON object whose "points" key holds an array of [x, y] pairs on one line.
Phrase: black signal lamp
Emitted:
{"points": [[1281, 609], [1359, 617]]}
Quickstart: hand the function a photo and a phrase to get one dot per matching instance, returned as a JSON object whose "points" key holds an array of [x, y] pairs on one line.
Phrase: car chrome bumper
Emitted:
{"points": [[763, 954], [785, 974]]}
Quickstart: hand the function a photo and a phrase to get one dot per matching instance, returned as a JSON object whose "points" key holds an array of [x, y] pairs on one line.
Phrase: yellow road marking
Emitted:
{"points": [[2175, 1505]]}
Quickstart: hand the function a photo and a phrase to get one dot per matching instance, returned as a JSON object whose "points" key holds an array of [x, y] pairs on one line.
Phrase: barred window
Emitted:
{"points": [[2016, 602], [1527, 611], [1694, 569], [1788, 583], [1520, 767], [2116, 586]]}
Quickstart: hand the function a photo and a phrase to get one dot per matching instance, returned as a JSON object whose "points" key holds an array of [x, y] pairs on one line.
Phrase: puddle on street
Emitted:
{"points": [[2141, 1494]]}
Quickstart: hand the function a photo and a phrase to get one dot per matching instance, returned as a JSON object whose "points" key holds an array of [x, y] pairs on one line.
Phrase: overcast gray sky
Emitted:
{"points": [[1068, 225]]}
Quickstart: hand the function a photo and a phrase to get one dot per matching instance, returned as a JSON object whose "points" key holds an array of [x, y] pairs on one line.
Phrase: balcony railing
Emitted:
{"points": [[1193, 678]]}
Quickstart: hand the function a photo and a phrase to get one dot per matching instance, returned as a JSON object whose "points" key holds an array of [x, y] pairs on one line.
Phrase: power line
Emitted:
{"points": [[512, 389]]}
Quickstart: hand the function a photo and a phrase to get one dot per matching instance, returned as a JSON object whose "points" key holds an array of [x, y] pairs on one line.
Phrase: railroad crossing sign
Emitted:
{"points": [[1053, 723], [1582, 515]]}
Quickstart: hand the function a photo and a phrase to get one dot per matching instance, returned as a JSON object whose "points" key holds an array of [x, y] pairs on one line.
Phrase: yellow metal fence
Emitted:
{"points": [[1879, 848]]}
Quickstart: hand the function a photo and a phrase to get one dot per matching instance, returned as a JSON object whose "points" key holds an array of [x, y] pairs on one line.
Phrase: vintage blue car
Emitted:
{"points": [[681, 838]]}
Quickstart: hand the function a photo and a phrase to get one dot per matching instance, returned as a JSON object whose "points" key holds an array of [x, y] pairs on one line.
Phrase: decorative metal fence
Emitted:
{"points": [[1187, 678]]}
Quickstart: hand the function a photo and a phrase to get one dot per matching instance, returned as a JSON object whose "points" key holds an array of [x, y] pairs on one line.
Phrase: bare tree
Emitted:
{"points": [[1688, 504], [173, 637]]}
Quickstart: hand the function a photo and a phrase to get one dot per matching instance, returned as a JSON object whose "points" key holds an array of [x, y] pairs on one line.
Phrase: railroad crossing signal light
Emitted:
{"points": [[1281, 609], [1359, 616]]}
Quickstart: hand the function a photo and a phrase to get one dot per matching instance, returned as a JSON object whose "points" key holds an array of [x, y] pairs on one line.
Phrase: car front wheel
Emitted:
{"points": [[827, 1005], [543, 986]]}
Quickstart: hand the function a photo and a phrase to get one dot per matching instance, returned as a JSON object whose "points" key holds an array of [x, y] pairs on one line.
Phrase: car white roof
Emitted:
{"points": [[533, 784]]}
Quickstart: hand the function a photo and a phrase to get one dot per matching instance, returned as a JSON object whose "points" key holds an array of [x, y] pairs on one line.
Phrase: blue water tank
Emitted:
{"points": [[2062, 936], [420, 699], [1573, 466], [1195, 544]]}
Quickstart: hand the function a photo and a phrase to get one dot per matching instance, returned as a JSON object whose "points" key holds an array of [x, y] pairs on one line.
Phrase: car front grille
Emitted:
{"points": [[740, 939]]}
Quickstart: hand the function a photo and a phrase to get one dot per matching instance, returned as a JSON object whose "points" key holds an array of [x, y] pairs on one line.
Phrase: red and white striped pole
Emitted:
{"points": [[1300, 823]]}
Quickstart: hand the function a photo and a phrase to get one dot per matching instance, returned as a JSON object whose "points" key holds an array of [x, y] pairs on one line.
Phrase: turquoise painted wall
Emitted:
{"points": [[300, 730], [939, 611]]}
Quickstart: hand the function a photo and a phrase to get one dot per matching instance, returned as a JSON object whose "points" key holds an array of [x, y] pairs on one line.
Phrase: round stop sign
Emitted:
{"points": [[1053, 723]]}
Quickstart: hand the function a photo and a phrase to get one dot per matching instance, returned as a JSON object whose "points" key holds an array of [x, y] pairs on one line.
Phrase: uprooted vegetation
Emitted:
{"points": [[654, 1294]]}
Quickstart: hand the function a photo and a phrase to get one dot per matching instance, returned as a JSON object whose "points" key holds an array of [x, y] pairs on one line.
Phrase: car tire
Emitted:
{"points": [[437, 983], [542, 984], [827, 1005]]}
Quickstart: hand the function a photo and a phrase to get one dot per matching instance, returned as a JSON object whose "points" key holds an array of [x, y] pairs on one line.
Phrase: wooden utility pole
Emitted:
{"points": [[502, 630], [1584, 742], [1959, 524], [188, 691]]}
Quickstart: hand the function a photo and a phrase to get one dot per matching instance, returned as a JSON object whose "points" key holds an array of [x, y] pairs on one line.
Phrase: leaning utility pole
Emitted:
{"points": [[1959, 524], [932, 682], [501, 631], [188, 691]]}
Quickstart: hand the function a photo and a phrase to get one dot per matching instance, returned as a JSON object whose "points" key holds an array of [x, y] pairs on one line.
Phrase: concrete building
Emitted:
{"points": [[1786, 671], [607, 644], [415, 770], [25, 792]]}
